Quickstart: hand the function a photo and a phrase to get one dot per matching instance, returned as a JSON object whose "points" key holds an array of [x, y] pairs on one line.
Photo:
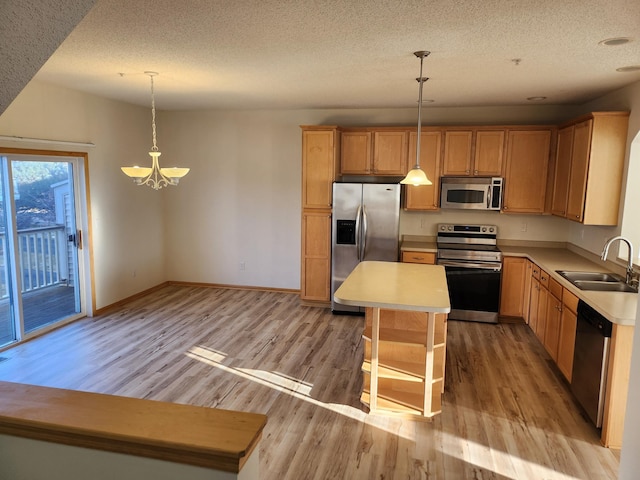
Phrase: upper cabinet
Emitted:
{"points": [[589, 168], [319, 165], [527, 163], [476, 152], [425, 197], [374, 152]]}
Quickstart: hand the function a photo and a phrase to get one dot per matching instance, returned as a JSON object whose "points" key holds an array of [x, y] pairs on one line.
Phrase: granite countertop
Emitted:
{"points": [[395, 285], [617, 307]]}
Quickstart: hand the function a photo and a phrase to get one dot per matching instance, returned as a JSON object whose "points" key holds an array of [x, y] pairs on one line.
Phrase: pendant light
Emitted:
{"points": [[155, 176], [417, 176]]}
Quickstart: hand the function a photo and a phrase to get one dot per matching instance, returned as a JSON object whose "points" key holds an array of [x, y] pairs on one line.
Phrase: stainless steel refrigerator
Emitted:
{"points": [[365, 224]]}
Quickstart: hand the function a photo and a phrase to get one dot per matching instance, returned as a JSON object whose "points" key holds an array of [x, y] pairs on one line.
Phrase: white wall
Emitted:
{"points": [[127, 221]]}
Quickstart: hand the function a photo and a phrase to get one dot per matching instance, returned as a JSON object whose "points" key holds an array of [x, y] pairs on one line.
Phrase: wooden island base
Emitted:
{"points": [[406, 307], [404, 358]]}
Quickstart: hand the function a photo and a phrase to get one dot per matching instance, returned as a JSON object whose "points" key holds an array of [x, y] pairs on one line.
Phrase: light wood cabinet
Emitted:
{"points": [[428, 258], [589, 168], [374, 152], [320, 155], [553, 319], [457, 152], [425, 197], [355, 156], [390, 150], [534, 296], [319, 166], [474, 152], [512, 289], [564, 147], [410, 357], [527, 290], [567, 340], [527, 162], [316, 256]]}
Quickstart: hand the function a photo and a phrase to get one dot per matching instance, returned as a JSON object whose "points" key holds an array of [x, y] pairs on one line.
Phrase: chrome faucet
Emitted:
{"points": [[605, 252]]}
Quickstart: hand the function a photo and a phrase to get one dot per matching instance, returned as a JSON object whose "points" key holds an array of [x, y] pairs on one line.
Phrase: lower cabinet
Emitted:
{"points": [[512, 288], [567, 340], [316, 256], [406, 366], [552, 324]]}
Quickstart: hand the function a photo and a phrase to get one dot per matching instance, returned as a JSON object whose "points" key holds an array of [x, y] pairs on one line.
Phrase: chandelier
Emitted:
{"points": [[155, 177], [417, 176]]}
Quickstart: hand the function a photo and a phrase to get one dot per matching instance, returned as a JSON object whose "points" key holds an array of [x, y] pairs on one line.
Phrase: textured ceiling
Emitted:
{"points": [[30, 31], [237, 54]]}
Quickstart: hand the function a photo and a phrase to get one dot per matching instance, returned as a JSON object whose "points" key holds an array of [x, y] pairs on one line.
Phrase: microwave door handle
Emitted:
{"points": [[364, 231], [358, 213], [489, 196]]}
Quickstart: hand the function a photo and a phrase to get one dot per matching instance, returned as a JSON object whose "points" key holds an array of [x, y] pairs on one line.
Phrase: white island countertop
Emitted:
{"points": [[396, 286]]}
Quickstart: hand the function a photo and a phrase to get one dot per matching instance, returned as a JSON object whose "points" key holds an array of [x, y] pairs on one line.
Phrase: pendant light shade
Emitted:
{"points": [[416, 175], [155, 177]]}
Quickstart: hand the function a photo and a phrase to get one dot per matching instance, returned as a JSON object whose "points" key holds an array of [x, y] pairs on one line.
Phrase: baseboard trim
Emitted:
{"points": [[233, 287], [124, 301]]}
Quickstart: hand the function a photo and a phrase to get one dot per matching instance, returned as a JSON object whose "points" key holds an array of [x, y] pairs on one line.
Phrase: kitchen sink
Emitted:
{"points": [[604, 286], [590, 276], [598, 281]]}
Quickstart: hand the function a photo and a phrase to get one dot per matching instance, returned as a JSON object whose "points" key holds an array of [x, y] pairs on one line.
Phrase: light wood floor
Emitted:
{"points": [[507, 413]]}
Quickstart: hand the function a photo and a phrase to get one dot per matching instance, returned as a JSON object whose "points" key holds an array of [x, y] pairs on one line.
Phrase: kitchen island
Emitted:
{"points": [[406, 308]]}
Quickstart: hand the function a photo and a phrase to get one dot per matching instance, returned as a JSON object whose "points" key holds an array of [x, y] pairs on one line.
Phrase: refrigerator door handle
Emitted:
{"points": [[364, 232], [358, 214]]}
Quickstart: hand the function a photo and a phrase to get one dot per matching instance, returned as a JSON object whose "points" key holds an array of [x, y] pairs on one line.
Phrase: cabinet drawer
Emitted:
{"points": [[535, 271], [555, 288], [544, 278], [570, 301], [419, 257]]}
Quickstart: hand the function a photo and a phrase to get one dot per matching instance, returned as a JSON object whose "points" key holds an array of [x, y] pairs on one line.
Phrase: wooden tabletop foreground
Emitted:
{"points": [[206, 437]]}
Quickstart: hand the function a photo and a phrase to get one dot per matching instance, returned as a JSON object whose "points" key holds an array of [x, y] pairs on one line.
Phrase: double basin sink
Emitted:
{"points": [[599, 281]]}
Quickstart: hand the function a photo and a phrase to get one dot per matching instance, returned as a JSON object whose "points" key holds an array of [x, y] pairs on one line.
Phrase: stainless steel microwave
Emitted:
{"points": [[479, 193]]}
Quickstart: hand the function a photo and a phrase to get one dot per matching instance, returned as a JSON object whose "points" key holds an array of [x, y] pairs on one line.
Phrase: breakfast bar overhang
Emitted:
{"points": [[406, 308]]}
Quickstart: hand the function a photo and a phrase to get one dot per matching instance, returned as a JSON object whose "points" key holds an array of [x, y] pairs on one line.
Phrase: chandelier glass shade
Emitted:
{"points": [[154, 176], [416, 175]]}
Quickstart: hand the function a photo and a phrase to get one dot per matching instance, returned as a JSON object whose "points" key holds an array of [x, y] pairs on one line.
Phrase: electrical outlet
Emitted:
{"points": [[242, 266], [423, 223], [523, 227]]}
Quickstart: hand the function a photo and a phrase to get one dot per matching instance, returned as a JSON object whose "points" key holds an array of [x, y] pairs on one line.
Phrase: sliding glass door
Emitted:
{"points": [[40, 278]]}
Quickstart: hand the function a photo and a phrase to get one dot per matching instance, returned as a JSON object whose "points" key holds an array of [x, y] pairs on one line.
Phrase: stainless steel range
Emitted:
{"points": [[473, 264]]}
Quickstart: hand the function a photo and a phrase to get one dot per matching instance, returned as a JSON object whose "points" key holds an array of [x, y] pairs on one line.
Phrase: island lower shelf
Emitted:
{"points": [[404, 362]]}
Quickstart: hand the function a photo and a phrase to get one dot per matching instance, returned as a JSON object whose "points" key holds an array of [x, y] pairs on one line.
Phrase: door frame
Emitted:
{"points": [[86, 279]]}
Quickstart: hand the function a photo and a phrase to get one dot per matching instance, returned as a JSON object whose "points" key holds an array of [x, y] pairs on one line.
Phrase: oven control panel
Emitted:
{"points": [[454, 228]]}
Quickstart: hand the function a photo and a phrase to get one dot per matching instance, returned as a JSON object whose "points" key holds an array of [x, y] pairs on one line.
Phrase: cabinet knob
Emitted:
{"points": [[475, 172], [466, 171]]}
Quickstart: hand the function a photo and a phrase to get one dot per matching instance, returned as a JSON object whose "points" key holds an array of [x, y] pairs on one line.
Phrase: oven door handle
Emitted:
{"points": [[484, 266]]}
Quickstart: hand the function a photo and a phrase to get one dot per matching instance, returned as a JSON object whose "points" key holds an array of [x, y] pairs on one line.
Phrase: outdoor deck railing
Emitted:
{"points": [[42, 255]]}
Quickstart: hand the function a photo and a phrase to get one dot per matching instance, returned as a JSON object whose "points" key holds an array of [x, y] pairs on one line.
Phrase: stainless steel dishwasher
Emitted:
{"points": [[590, 361]]}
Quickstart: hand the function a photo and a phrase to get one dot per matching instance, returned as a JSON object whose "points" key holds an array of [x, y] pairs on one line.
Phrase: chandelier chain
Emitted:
{"points": [[153, 116]]}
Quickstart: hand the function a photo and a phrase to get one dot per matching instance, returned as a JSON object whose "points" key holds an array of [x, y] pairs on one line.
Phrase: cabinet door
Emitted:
{"points": [[316, 256], [512, 287], [527, 290], [457, 152], [552, 326], [562, 172], [356, 153], [533, 303], [425, 197], [579, 166], [318, 168], [489, 153], [567, 340], [541, 323], [390, 153], [526, 171]]}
